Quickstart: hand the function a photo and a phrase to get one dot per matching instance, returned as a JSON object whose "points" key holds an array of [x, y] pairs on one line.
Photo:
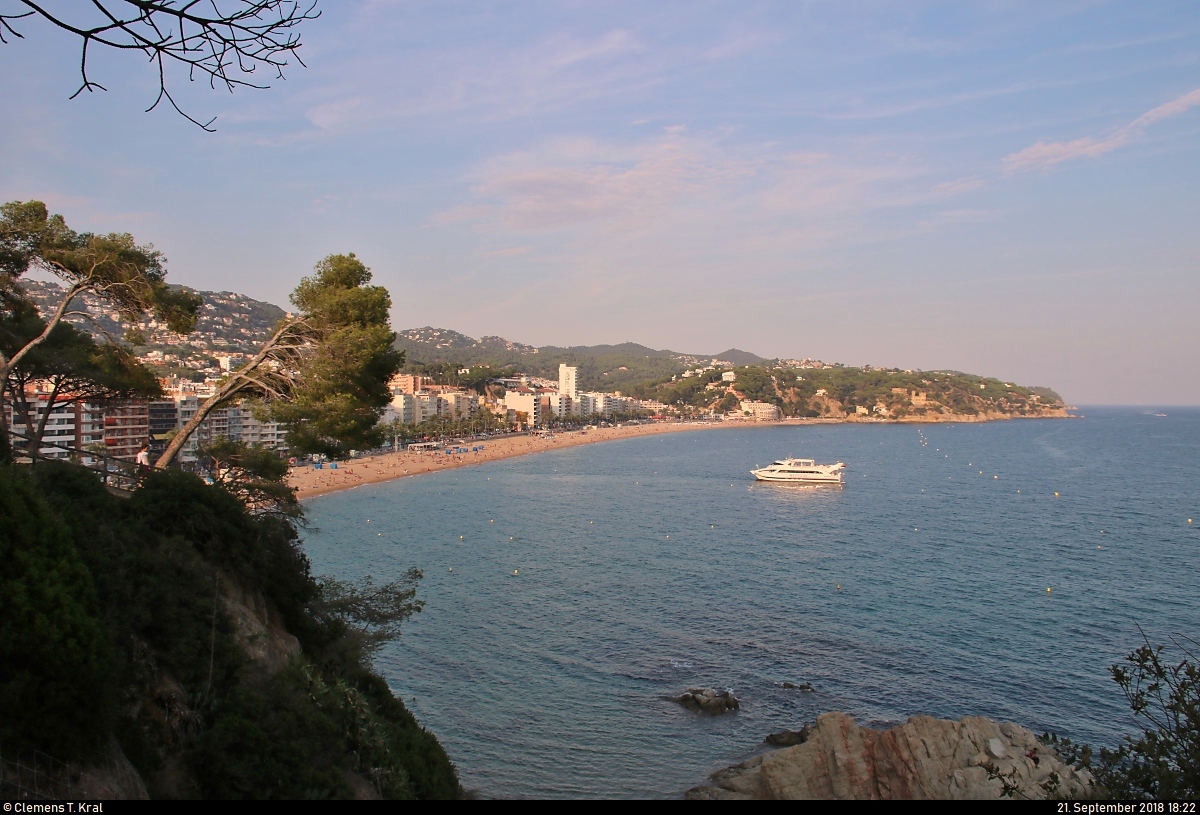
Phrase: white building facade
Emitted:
{"points": [[567, 376]]}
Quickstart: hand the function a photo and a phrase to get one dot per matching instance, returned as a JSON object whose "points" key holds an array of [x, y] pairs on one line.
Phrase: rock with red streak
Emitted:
{"points": [[924, 758]]}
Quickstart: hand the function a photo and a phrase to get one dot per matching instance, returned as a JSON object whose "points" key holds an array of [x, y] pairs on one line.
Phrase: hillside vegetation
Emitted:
{"points": [[601, 367], [659, 375], [839, 392], [192, 634]]}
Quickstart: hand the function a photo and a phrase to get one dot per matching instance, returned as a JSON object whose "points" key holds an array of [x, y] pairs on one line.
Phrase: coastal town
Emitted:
{"points": [[432, 406]]}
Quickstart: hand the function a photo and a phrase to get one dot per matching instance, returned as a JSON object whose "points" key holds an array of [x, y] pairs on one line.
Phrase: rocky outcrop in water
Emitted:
{"points": [[924, 758], [803, 686], [789, 738], [707, 700]]}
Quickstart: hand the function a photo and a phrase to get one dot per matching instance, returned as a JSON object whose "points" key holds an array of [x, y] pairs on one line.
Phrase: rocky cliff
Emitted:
{"points": [[924, 758]]}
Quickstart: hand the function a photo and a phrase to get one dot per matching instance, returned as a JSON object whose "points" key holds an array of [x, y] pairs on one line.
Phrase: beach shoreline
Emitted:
{"points": [[312, 483]]}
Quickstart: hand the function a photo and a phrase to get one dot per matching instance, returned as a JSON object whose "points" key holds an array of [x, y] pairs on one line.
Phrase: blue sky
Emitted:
{"points": [[1005, 188]]}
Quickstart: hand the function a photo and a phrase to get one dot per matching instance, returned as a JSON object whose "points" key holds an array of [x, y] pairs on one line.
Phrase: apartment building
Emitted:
{"points": [[524, 400], [561, 404], [164, 418], [403, 407], [567, 375], [126, 427], [62, 425], [458, 404], [408, 383], [761, 411]]}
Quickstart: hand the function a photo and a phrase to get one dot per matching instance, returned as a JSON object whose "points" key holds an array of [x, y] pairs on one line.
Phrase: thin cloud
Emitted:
{"points": [[573, 182], [508, 252], [334, 114], [1044, 155], [958, 185], [689, 201]]}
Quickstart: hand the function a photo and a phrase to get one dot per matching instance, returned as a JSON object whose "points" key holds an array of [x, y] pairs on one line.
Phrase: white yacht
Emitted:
{"points": [[801, 471]]}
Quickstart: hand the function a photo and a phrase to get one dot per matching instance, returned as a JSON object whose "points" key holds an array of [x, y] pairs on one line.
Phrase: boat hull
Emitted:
{"points": [[775, 478]]}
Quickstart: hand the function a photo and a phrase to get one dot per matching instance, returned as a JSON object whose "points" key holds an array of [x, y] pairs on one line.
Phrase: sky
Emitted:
{"points": [[1005, 188]]}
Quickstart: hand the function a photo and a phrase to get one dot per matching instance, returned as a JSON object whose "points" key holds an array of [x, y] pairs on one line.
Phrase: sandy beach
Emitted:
{"points": [[310, 482]]}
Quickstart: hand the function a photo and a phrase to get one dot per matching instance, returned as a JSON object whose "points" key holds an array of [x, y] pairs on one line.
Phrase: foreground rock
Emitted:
{"points": [[707, 700], [923, 758]]}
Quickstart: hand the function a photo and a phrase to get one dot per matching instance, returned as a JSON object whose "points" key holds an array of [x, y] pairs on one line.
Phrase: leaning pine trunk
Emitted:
{"points": [[239, 381], [180, 439]]}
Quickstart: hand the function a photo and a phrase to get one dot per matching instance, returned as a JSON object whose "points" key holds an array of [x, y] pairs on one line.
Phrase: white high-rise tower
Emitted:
{"points": [[566, 380]]}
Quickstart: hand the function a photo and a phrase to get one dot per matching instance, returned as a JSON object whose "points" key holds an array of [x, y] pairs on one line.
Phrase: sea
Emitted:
{"points": [[992, 569]]}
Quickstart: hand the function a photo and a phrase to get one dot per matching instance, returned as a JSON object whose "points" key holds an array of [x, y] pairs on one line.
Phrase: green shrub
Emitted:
{"points": [[429, 769], [271, 742], [1163, 763]]}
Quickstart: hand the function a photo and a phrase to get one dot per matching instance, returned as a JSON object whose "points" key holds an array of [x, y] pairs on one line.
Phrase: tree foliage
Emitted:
{"points": [[129, 278], [71, 367], [373, 611], [324, 372], [254, 474]]}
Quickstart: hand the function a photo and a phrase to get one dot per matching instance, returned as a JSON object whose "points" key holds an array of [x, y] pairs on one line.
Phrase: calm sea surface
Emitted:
{"points": [[650, 565]]}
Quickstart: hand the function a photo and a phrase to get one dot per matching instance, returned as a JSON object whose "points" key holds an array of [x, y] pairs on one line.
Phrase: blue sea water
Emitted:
{"points": [[650, 565]]}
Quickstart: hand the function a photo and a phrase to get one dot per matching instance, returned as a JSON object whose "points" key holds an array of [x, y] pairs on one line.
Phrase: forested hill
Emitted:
{"points": [[601, 367], [839, 392]]}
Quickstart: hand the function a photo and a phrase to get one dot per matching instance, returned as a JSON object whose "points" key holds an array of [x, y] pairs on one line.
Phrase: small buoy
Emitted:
{"points": [[914, 529], [714, 526], [1101, 531], [510, 537], [368, 520], [839, 586], [1056, 495], [451, 568], [379, 534], [1189, 520], [1047, 590], [996, 477], [492, 521], [591, 522], [517, 572], [460, 537]]}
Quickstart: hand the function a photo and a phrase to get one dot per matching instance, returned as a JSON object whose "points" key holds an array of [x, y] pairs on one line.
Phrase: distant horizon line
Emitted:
{"points": [[1139, 405]]}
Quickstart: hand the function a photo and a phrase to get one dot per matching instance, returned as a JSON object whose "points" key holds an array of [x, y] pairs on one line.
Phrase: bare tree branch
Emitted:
{"points": [[225, 40]]}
